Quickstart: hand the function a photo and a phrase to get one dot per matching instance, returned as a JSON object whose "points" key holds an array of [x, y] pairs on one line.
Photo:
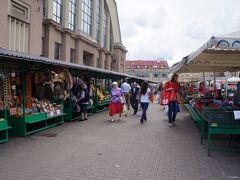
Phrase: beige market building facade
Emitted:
{"points": [[78, 31]]}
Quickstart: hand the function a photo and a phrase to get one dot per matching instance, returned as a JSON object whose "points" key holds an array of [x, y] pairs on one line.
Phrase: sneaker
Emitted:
{"points": [[112, 120], [174, 124], [170, 125]]}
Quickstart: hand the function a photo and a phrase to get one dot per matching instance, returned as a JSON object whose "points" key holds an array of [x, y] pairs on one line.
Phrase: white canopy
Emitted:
{"points": [[233, 80], [219, 54]]}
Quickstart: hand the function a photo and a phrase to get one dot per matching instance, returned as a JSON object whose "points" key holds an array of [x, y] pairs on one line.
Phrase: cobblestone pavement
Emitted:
{"points": [[97, 149]]}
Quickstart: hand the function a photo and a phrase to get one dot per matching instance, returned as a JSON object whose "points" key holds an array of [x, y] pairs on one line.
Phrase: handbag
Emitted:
{"points": [[125, 110], [165, 98], [121, 100]]}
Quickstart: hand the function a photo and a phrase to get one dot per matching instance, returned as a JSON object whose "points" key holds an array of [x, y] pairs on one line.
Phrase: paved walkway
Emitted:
{"points": [[97, 149]]}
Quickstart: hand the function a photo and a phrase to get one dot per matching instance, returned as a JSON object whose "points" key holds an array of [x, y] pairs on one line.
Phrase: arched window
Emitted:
{"points": [[236, 44], [223, 43], [86, 20]]}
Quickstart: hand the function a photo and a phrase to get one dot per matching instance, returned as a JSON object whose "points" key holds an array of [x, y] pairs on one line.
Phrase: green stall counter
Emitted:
{"points": [[103, 105], [208, 128], [4, 130], [4, 127], [32, 123]]}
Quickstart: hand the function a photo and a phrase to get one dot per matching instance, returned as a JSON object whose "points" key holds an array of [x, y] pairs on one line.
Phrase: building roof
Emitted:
{"points": [[162, 64], [19, 56], [4, 53]]}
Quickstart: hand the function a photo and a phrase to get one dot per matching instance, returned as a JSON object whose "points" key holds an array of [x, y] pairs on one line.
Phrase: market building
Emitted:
{"points": [[153, 70], [85, 32]]}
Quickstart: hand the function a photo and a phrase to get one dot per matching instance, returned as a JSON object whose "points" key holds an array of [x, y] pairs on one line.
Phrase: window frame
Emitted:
{"points": [[72, 55], [86, 16], [72, 14], [57, 55], [105, 26], [98, 19], [58, 12]]}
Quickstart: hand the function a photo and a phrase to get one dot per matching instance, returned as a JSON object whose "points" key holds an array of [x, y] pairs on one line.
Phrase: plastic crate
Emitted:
{"points": [[229, 108], [218, 115]]}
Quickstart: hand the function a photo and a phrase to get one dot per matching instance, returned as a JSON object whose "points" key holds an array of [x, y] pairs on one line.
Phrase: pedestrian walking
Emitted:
{"points": [[172, 89], [133, 97], [159, 92], [83, 100], [126, 91], [144, 94], [117, 101]]}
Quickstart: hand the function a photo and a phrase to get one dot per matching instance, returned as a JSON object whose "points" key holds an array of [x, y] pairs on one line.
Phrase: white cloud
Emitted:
{"points": [[172, 29]]}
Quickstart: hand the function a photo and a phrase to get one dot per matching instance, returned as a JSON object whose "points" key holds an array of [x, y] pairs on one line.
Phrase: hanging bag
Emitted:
{"points": [[165, 98]]}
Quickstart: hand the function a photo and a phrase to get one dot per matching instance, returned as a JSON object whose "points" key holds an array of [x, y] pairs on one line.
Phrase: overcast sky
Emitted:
{"points": [[171, 29]]}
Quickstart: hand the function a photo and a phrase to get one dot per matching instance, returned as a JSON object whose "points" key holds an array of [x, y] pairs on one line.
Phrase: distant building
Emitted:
{"points": [[153, 70], [85, 32]]}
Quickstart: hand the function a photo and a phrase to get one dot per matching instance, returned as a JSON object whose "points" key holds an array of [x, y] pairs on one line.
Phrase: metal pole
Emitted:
{"points": [[204, 78], [23, 89], [214, 78]]}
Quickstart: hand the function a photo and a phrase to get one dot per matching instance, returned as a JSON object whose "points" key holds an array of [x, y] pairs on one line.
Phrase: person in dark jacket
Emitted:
{"points": [[83, 101], [133, 97]]}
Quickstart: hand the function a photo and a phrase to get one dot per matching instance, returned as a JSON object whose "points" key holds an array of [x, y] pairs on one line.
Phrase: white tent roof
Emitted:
{"points": [[218, 54], [233, 80]]}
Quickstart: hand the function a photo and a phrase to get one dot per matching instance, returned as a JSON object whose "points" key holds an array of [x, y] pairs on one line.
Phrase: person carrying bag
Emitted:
{"points": [[171, 89]]}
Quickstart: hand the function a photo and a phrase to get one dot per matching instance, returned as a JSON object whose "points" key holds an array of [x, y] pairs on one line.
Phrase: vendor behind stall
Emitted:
{"points": [[202, 88]]}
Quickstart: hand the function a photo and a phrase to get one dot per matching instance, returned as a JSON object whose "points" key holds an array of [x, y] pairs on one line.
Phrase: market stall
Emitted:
{"points": [[213, 116], [38, 91], [35, 97]]}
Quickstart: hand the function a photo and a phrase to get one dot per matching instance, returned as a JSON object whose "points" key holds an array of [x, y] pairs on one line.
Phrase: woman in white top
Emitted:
{"points": [[144, 93]]}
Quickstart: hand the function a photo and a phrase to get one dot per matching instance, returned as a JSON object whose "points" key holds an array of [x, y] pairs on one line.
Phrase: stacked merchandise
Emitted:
{"points": [[215, 110], [41, 89], [102, 95]]}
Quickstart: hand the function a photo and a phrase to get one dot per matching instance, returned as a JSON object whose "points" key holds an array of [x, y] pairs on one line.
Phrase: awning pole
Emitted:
{"points": [[214, 78], [204, 78]]}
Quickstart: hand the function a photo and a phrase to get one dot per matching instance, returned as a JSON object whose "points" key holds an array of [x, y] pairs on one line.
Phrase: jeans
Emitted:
{"points": [[144, 106], [172, 111]]}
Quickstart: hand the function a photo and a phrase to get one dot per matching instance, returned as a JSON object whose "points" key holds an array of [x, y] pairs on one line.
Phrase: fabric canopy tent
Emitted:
{"points": [[233, 80], [194, 77], [219, 54]]}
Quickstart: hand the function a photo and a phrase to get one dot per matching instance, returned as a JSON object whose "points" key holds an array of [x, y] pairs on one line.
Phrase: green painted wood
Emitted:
{"points": [[33, 118], [3, 125], [22, 128], [4, 131]]}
